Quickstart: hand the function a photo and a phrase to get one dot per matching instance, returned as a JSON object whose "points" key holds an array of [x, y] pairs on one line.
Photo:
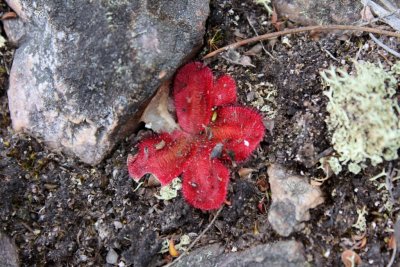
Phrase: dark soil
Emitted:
{"points": [[64, 213]]}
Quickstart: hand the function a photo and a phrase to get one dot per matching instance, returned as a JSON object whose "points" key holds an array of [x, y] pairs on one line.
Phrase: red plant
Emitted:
{"points": [[213, 130]]}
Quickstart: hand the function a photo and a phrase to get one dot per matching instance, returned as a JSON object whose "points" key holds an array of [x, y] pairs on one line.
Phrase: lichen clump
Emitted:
{"points": [[363, 114]]}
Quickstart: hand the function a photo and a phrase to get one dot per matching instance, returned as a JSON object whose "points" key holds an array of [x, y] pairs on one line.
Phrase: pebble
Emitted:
{"points": [[117, 224], [292, 197], [112, 256]]}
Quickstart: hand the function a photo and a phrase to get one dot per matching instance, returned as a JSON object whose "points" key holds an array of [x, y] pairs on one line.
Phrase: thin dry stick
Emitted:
{"points": [[385, 47], [299, 30], [197, 239], [393, 255], [262, 44], [396, 229], [389, 182]]}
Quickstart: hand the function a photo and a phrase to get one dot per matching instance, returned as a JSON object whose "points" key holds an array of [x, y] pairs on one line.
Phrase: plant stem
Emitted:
{"points": [[299, 30]]}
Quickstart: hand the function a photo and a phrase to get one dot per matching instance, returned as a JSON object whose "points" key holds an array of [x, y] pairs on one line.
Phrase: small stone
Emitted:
{"points": [[292, 197], [112, 256], [117, 225], [83, 258], [102, 229]]}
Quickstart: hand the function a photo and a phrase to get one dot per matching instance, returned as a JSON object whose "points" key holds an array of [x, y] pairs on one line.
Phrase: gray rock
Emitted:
{"points": [[385, 11], [84, 70], [8, 252], [282, 253], [282, 217], [204, 256], [309, 12], [292, 197]]}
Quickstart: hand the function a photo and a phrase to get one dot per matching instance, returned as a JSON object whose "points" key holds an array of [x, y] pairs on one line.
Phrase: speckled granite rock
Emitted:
{"points": [[83, 69], [282, 253], [8, 252], [308, 12]]}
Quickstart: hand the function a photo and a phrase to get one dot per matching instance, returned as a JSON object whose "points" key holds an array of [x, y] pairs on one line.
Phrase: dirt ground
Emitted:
{"points": [[60, 212]]}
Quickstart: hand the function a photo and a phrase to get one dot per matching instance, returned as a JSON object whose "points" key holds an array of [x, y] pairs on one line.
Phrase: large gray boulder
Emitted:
{"points": [[84, 70]]}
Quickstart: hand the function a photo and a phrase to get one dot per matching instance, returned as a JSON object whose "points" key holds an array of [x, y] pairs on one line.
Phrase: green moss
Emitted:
{"points": [[363, 115]]}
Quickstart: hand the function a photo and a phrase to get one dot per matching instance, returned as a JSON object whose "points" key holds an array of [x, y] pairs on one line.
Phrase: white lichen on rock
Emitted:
{"points": [[363, 115]]}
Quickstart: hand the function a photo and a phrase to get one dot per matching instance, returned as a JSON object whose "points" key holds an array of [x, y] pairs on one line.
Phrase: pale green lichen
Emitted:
{"points": [[181, 246], [354, 168], [183, 242], [363, 114], [266, 4], [2, 41], [265, 98], [383, 185], [361, 223], [170, 191], [335, 165]]}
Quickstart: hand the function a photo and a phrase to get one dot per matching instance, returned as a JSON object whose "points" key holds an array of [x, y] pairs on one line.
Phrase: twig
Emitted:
{"points": [[299, 30], [330, 54], [394, 252], [389, 182], [396, 229], [323, 154], [27, 227], [196, 240], [262, 44], [385, 47]]}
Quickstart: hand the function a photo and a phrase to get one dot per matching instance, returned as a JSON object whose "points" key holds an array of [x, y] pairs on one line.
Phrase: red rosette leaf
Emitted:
{"points": [[224, 91], [205, 181], [162, 155], [192, 86], [239, 129]]}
